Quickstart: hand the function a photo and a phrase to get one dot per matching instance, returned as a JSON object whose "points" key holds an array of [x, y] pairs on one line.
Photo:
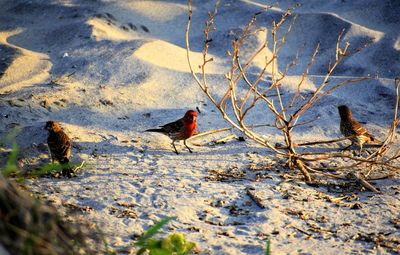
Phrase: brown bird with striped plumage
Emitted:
{"points": [[59, 143], [353, 130]]}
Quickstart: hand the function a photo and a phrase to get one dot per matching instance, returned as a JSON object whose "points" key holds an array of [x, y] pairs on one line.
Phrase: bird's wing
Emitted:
{"points": [[62, 144], [359, 129], [347, 129], [174, 127]]}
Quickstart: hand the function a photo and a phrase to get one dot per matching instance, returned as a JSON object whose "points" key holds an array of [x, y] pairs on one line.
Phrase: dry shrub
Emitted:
{"points": [[243, 94]]}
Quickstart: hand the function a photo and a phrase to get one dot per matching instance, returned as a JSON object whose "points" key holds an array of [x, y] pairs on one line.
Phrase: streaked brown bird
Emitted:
{"points": [[59, 143], [178, 130], [352, 129]]}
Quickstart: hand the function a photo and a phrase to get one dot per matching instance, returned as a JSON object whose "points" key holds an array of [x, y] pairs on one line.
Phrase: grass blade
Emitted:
{"points": [[268, 247], [153, 230]]}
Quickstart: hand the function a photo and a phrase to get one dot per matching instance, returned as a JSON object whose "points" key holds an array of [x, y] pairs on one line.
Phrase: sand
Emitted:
{"points": [[108, 70]]}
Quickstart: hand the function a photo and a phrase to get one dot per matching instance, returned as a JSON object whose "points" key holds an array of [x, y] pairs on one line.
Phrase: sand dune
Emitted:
{"points": [[27, 68], [107, 70], [365, 22], [103, 31]]}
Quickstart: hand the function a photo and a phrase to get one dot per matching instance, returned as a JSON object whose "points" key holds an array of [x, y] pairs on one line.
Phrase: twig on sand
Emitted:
{"points": [[222, 130], [225, 139], [321, 142], [209, 132], [360, 178], [253, 195], [77, 168], [56, 80], [302, 231], [218, 141]]}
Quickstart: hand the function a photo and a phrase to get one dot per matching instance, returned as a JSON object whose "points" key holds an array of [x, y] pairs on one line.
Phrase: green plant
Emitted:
{"points": [[28, 226], [68, 169], [173, 244], [268, 247], [11, 165]]}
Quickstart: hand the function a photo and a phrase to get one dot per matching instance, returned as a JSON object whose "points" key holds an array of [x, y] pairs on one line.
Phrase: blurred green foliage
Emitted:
{"points": [[173, 244], [268, 247]]}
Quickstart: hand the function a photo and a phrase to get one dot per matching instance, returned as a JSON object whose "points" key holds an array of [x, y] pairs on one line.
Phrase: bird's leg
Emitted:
{"points": [[347, 146], [184, 142], [361, 145], [173, 144]]}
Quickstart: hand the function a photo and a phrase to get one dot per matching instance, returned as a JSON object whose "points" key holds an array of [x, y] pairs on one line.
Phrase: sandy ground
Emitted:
{"points": [[107, 70]]}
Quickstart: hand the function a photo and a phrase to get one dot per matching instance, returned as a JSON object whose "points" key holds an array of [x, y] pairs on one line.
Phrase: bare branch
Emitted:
{"points": [[304, 75], [243, 100], [340, 53]]}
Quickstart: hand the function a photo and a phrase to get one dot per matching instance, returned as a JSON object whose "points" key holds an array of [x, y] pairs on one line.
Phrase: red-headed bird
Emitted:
{"points": [[59, 143], [181, 129], [352, 129]]}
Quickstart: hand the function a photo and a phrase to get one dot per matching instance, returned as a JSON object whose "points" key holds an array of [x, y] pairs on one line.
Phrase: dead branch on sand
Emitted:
{"points": [[243, 93]]}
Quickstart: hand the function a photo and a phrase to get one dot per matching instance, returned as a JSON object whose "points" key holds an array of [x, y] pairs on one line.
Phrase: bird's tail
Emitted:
{"points": [[157, 130], [375, 142]]}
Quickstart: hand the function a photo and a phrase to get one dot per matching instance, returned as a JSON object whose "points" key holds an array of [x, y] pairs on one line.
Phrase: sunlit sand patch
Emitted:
{"points": [[167, 55], [397, 44], [153, 9], [28, 68]]}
